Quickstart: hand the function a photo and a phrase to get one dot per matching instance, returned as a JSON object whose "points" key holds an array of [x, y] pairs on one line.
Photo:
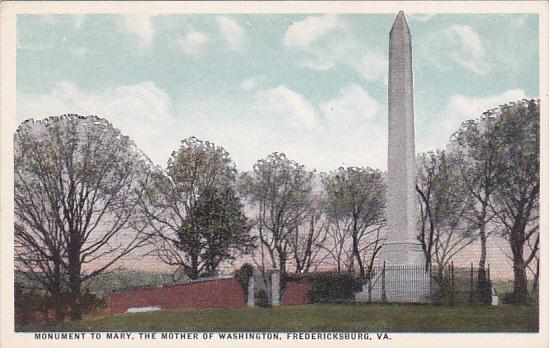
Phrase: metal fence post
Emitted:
{"points": [[430, 274], [383, 293], [370, 288], [452, 283], [471, 290]]}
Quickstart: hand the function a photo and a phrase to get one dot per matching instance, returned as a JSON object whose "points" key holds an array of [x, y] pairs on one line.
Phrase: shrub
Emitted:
{"points": [[90, 302], [261, 298], [511, 298], [483, 294], [243, 275], [329, 287]]}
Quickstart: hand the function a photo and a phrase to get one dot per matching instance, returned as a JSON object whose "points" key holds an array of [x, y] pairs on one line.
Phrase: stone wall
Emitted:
{"points": [[215, 293]]}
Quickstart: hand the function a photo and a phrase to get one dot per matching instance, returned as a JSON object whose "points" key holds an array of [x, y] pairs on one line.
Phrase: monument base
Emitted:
{"points": [[403, 279], [402, 254]]}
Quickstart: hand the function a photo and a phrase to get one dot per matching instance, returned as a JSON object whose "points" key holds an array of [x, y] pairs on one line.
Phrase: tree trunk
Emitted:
{"points": [[282, 262], [483, 288], [193, 272], [75, 282], [483, 240], [520, 289], [56, 295], [356, 254], [536, 278]]}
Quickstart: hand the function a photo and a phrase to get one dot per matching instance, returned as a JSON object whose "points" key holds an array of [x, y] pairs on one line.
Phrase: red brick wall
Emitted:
{"points": [[218, 293], [296, 294]]}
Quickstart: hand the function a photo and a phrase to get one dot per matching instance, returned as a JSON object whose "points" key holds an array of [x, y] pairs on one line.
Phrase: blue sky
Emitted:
{"points": [[312, 86]]}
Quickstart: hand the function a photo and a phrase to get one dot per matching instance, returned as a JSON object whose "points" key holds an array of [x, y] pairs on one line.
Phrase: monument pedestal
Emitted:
{"points": [[402, 253]]}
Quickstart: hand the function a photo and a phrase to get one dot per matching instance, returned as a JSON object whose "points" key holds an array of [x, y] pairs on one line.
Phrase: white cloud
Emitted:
{"points": [[193, 43], [465, 35], [139, 26], [324, 42], [298, 111], [80, 52], [141, 111], [352, 105], [248, 84], [348, 130], [372, 66], [302, 34], [345, 130], [456, 45], [231, 31], [460, 108], [355, 132]]}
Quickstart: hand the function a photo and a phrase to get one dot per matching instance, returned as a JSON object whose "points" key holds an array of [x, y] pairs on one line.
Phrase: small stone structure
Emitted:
{"points": [[275, 289], [295, 293], [251, 292]]}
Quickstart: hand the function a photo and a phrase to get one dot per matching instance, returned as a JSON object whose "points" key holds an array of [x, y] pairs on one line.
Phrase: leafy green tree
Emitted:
{"points": [[517, 175], [216, 230], [195, 217]]}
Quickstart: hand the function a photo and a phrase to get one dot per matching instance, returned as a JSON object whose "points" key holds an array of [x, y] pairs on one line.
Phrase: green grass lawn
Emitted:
{"points": [[328, 317]]}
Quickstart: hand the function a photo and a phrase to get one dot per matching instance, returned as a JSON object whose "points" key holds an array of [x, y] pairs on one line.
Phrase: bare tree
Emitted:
{"points": [[444, 231], [280, 191], [356, 202], [338, 244], [78, 181], [307, 239], [195, 216]]}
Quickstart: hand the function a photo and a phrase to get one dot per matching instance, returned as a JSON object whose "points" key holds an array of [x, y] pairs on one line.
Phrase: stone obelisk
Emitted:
{"points": [[402, 247], [403, 278]]}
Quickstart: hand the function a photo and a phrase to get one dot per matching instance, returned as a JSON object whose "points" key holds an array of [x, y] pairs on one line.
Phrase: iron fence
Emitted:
{"points": [[415, 284]]}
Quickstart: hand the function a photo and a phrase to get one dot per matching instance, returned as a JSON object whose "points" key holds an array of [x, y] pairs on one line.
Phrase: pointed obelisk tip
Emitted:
{"points": [[400, 22]]}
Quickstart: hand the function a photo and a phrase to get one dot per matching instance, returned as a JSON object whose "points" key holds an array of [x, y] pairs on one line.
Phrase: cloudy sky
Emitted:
{"points": [[312, 86]]}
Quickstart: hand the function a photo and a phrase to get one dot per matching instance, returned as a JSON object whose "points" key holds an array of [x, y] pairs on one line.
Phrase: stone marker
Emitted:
{"points": [[251, 292]]}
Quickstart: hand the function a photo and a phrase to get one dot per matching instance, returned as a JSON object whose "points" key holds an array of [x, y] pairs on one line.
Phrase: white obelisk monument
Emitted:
{"points": [[404, 278], [402, 247]]}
